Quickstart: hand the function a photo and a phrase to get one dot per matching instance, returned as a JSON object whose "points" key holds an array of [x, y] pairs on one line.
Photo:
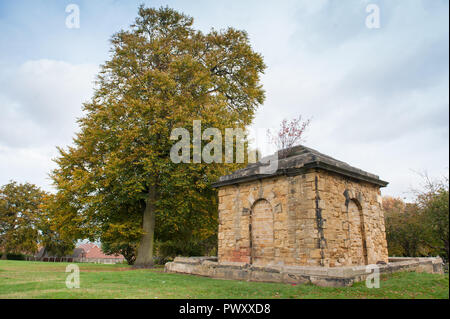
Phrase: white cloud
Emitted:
{"points": [[39, 103], [30, 164]]}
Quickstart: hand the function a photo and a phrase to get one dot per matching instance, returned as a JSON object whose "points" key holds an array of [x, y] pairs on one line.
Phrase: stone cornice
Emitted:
{"points": [[305, 159]]}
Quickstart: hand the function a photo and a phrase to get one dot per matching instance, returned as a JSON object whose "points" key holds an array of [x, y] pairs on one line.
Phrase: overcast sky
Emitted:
{"points": [[378, 97]]}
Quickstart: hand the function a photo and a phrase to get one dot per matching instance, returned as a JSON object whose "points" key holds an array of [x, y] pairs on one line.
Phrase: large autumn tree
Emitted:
{"points": [[162, 74], [20, 213]]}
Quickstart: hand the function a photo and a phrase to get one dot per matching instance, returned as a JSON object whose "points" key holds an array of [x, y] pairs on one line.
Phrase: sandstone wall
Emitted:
{"points": [[316, 219], [352, 210], [235, 205]]}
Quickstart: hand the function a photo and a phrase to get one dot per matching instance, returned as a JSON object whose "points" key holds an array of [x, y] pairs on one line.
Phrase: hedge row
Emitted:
{"points": [[14, 256]]}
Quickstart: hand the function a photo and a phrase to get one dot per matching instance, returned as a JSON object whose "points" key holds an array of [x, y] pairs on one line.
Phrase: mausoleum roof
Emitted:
{"points": [[295, 161]]}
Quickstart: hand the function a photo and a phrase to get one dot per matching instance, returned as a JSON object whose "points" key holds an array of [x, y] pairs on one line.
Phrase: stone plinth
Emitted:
{"points": [[321, 276]]}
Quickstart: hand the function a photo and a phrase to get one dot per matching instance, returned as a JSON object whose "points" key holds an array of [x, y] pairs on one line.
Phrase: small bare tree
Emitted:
{"points": [[291, 133]]}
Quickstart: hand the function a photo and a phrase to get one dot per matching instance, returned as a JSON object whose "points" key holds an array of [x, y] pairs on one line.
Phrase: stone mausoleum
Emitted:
{"points": [[312, 211], [312, 219]]}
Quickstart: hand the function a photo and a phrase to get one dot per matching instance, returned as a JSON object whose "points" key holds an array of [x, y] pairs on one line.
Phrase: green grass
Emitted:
{"points": [[22, 279]]}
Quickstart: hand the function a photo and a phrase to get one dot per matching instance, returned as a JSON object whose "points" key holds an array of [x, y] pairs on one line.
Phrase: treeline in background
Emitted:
{"points": [[419, 228]]}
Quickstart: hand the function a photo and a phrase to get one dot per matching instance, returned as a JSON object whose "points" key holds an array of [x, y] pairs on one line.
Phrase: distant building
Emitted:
{"points": [[87, 252]]}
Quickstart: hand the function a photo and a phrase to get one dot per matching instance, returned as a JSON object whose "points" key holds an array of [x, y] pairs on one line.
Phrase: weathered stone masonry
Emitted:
{"points": [[314, 211]]}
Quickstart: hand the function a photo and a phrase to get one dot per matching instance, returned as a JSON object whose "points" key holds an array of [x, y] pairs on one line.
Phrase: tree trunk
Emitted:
{"points": [[44, 251], [446, 250], [4, 257], [144, 258]]}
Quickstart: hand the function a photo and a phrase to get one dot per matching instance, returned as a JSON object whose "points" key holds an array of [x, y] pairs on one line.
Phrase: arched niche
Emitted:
{"points": [[357, 232], [261, 231]]}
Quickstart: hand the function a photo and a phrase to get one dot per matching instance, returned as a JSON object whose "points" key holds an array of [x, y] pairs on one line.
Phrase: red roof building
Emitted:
{"points": [[93, 251], [87, 252]]}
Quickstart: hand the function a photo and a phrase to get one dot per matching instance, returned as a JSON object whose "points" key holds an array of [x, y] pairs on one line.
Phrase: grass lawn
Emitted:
{"points": [[23, 279]]}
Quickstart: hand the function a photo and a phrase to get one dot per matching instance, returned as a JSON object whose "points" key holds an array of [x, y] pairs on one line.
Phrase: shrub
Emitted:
{"points": [[167, 250], [14, 256]]}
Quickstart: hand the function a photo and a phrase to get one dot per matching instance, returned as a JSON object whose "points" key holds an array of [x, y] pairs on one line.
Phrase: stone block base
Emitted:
{"points": [[321, 276]]}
